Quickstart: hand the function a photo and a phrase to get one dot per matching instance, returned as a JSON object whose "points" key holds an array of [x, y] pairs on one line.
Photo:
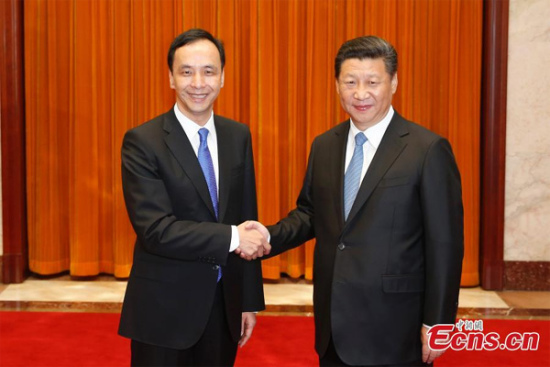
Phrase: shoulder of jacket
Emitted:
{"points": [[230, 123]]}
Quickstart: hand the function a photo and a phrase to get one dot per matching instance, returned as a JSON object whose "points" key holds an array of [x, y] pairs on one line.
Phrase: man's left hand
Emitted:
{"points": [[428, 355], [248, 322]]}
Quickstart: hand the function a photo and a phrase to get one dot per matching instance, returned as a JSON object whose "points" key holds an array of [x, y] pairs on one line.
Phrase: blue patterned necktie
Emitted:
{"points": [[205, 160], [352, 178]]}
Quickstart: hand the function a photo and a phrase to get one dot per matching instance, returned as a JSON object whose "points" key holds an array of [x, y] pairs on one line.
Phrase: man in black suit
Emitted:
{"points": [[188, 181], [382, 196]]}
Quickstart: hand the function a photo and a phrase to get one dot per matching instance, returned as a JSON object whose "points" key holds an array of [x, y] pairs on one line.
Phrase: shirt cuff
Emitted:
{"points": [[235, 239]]}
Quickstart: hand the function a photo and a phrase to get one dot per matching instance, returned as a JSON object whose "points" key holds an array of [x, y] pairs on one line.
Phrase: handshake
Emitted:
{"points": [[253, 238]]}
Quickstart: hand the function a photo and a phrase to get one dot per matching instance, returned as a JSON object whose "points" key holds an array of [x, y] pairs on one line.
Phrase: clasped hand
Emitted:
{"points": [[253, 240]]}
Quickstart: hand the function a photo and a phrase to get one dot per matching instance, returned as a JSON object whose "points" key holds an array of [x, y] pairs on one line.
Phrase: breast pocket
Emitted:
{"points": [[394, 181], [394, 191], [237, 171]]}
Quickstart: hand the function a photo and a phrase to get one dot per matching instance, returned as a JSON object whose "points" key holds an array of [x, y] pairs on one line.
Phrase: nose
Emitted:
{"points": [[198, 81], [362, 92]]}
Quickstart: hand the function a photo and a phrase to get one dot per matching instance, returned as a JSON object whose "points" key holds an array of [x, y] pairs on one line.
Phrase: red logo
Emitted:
{"points": [[470, 336]]}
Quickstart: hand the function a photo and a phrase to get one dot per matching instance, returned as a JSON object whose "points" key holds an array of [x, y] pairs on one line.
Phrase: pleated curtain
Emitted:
{"points": [[94, 69]]}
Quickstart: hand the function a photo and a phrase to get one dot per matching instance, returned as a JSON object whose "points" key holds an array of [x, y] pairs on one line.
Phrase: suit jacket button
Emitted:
{"points": [[341, 247], [216, 267]]}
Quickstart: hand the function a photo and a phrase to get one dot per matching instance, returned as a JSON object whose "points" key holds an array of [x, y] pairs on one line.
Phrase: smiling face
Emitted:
{"points": [[197, 77], [365, 90]]}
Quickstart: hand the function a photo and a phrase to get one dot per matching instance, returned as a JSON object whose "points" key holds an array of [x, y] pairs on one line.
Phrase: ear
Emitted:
{"points": [[337, 87], [171, 77], [223, 78], [394, 83]]}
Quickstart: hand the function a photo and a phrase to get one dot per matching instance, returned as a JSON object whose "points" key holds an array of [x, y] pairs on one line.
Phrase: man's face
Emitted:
{"points": [[197, 78], [365, 90]]}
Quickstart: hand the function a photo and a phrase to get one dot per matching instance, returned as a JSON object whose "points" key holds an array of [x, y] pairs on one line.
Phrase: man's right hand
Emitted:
{"points": [[252, 243]]}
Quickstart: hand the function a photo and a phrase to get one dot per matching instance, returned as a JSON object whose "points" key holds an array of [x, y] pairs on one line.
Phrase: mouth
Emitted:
{"points": [[198, 97], [362, 108]]}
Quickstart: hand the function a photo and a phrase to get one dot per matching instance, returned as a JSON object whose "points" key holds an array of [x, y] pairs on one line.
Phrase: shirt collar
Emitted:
{"points": [[374, 133], [190, 127]]}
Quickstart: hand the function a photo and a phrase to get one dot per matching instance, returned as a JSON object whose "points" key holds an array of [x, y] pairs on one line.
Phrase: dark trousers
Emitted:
{"points": [[215, 347], [332, 359]]}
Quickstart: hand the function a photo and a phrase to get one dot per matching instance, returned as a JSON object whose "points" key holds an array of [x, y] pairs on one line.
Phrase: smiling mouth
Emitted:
{"points": [[363, 108], [197, 98]]}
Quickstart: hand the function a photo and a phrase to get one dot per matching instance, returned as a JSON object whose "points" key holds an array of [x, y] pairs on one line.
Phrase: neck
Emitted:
{"points": [[198, 118]]}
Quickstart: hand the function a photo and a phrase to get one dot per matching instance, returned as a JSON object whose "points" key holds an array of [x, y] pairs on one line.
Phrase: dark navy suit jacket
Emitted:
{"points": [[180, 243], [396, 262]]}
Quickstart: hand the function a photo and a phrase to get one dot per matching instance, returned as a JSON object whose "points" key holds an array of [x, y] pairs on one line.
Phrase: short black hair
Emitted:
{"points": [[190, 36], [367, 47]]}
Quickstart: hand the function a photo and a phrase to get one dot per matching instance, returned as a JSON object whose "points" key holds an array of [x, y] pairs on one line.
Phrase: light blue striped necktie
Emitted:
{"points": [[205, 160], [352, 178]]}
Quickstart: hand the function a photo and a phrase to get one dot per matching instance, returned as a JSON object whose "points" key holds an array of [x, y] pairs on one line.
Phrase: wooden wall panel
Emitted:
{"points": [[493, 142], [12, 121]]}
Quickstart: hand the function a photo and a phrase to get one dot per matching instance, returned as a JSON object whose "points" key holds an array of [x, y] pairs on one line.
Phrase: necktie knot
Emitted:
{"points": [[360, 139], [203, 134]]}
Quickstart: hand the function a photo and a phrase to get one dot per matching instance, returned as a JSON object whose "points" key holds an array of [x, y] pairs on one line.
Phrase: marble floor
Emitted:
{"points": [[105, 294]]}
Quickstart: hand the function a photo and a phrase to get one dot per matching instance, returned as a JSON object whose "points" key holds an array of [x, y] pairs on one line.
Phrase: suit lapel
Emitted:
{"points": [[389, 149], [181, 148], [224, 163], [337, 167]]}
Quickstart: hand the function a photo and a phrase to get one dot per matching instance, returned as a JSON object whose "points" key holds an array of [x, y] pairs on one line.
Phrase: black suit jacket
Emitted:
{"points": [[396, 262], [179, 241]]}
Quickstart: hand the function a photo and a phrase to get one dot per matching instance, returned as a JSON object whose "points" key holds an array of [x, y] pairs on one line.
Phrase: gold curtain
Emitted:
{"points": [[94, 69]]}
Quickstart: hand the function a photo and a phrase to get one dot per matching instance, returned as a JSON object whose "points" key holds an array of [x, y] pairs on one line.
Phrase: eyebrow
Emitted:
{"points": [[186, 66], [354, 75]]}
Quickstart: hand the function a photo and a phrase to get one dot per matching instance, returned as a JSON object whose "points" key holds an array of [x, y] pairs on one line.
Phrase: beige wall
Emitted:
{"points": [[527, 204]]}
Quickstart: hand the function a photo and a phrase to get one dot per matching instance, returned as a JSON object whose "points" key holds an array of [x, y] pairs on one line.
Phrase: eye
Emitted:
{"points": [[350, 82], [185, 72]]}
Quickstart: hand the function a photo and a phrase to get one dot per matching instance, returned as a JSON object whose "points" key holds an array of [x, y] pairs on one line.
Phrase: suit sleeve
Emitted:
{"points": [[150, 211], [297, 227], [441, 200], [253, 291]]}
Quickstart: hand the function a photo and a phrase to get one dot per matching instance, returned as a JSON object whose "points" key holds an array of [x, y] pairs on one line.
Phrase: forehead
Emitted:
{"points": [[198, 53], [363, 67]]}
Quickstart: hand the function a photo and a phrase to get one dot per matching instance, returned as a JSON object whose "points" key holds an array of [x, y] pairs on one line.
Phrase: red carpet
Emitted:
{"points": [[61, 339], [52, 339]]}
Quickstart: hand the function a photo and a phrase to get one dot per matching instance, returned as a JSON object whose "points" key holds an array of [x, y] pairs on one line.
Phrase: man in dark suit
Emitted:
{"points": [[382, 196], [188, 181]]}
